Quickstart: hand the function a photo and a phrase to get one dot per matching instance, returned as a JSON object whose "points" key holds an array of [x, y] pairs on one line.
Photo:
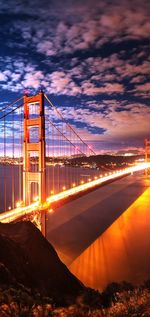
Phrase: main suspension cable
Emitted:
{"points": [[10, 105], [5, 115]]}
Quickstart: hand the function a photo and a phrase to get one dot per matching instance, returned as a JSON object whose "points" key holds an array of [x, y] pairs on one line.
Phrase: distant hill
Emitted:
{"points": [[106, 159], [26, 257]]}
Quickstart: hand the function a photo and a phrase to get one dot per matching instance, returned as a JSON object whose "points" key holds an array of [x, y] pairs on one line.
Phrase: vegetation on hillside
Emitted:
{"points": [[118, 300]]}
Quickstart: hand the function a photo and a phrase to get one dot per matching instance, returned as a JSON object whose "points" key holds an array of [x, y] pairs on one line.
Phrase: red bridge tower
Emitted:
{"points": [[34, 121]]}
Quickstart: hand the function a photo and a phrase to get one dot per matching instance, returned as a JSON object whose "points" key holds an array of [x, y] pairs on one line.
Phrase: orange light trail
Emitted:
{"points": [[12, 215]]}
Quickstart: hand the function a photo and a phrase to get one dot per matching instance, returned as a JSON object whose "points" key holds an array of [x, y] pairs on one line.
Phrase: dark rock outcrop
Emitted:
{"points": [[26, 257]]}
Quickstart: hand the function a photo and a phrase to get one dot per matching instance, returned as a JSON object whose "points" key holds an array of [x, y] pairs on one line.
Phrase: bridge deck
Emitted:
{"points": [[78, 232]]}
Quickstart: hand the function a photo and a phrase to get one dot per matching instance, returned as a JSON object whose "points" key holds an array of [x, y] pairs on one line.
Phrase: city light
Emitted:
{"points": [[51, 210], [18, 204], [36, 198]]}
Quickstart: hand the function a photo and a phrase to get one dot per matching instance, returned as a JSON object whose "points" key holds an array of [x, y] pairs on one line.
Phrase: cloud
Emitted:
{"points": [[137, 79], [130, 122], [81, 26], [33, 80], [3, 77], [58, 35], [90, 89], [46, 47], [144, 87], [91, 77]]}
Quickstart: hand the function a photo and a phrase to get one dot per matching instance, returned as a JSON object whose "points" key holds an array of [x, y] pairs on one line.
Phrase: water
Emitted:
{"points": [[58, 177]]}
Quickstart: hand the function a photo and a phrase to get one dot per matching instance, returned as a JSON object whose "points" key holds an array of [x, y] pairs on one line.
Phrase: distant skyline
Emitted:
{"points": [[90, 57]]}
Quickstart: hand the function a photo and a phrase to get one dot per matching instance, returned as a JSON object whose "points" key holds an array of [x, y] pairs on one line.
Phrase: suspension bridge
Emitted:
{"points": [[37, 149]]}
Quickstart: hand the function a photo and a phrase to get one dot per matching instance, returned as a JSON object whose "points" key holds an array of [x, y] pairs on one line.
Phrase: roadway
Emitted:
{"points": [[22, 210], [94, 238]]}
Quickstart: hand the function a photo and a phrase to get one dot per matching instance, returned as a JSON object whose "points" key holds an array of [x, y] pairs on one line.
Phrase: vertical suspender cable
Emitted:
{"points": [[48, 156], [63, 154], [67, 171], [12, 180], [58, 160], [53, 167], [20, 156], [5, 181], [71, 170]]}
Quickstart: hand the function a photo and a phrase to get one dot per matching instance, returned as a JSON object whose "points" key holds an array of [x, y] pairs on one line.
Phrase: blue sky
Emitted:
{"points": [[90, 57]]}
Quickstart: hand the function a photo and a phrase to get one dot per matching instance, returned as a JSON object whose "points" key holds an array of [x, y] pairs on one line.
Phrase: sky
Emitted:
{"points": [[90, 57]]}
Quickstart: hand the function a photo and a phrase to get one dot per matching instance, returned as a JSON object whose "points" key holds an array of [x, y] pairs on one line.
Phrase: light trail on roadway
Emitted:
{"points": [[12, 215]]}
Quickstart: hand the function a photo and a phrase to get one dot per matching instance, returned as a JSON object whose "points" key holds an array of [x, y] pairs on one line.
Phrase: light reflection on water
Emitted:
{"points": [[122, 252]]}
